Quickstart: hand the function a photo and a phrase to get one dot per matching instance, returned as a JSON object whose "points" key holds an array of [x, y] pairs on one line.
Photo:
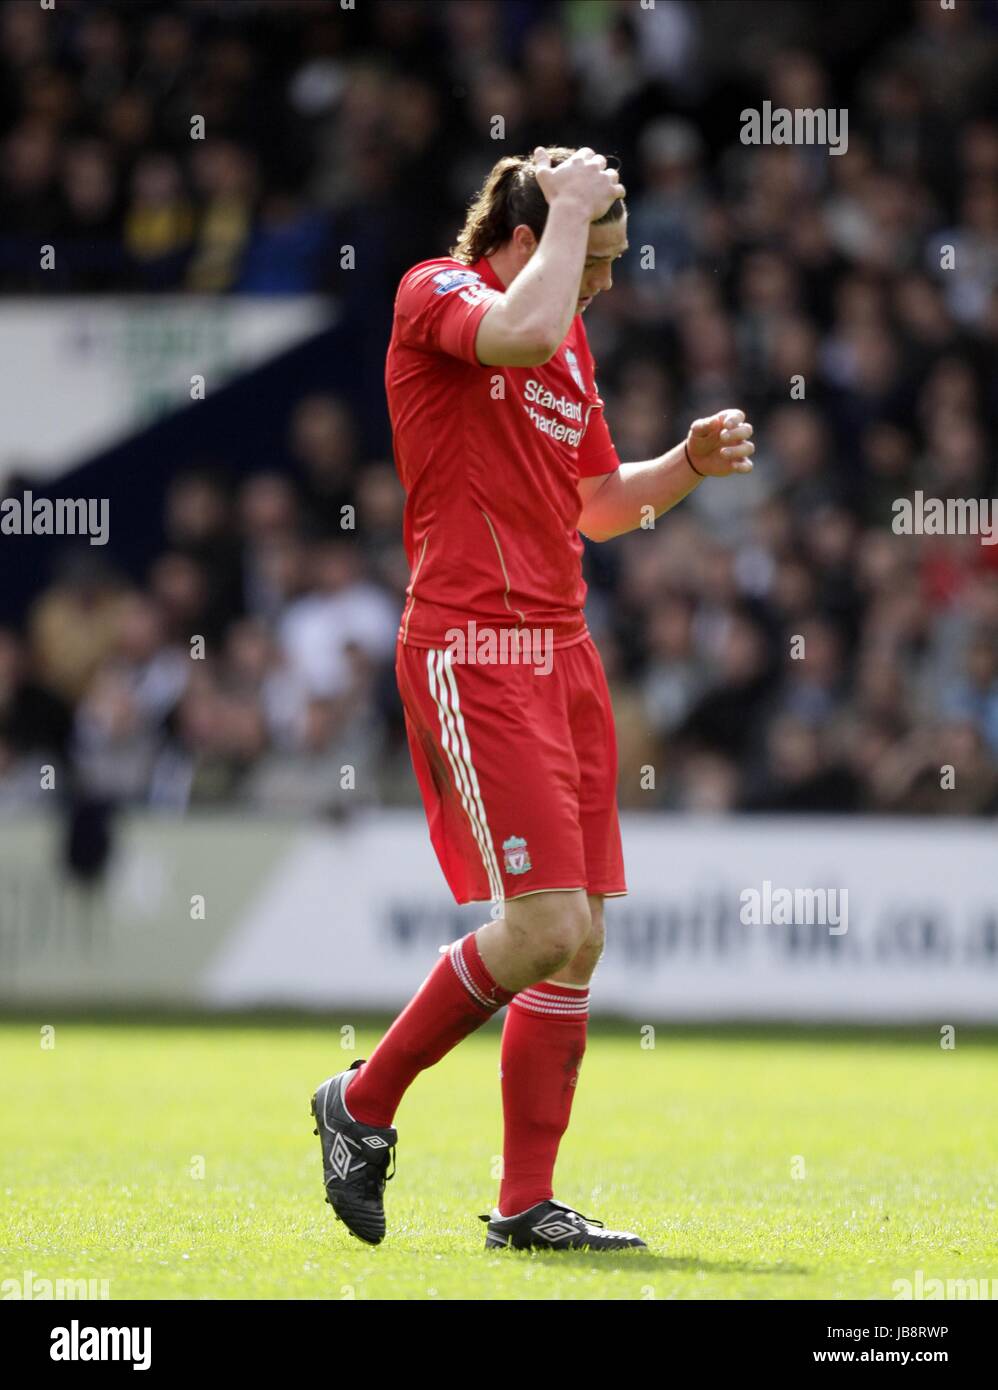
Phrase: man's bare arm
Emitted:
{"points": [[529, 323], [617, 502]]}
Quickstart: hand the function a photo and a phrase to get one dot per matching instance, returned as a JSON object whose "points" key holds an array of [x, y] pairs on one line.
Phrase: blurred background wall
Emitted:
{"points": [[204, 348]]}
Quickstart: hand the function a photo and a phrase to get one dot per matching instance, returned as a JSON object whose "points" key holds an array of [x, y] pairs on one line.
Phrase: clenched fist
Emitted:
{"points": [[721, 444]]}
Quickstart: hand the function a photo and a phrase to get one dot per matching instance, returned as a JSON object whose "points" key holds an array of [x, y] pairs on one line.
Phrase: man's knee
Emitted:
{"points": [[550, 927], [591, 948], [580, 969]]}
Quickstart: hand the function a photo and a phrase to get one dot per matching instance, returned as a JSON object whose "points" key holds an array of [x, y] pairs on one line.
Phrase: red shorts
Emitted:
{"points": [[517, 769]]}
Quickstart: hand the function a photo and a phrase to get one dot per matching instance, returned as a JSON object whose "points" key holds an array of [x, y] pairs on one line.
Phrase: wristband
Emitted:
{"points": [[696, 470]]}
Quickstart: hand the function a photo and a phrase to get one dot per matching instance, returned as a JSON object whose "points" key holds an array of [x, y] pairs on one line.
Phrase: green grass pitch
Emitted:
{"points": [[694, 1143]]}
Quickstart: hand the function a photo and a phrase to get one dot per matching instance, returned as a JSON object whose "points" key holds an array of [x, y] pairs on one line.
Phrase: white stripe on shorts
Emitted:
{"points": [[454, 739]]}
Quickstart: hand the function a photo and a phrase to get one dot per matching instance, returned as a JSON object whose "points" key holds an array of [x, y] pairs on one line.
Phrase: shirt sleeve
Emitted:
{"points": [[438, 309], [596, 453]]}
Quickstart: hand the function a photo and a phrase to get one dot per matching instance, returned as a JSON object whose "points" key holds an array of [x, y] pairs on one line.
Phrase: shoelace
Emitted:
{"points": [[587, 1220], [376, 1181]]}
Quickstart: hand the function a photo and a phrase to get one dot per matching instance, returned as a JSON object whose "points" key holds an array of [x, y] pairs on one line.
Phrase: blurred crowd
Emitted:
{"points": [[772, 644], [254, 664]]}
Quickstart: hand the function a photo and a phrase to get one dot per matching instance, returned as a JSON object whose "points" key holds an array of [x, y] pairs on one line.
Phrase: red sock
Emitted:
{"points": [[543, 1040], [457, 996]]}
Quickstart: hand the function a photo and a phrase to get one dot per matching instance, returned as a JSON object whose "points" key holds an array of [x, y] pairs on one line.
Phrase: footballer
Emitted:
{"points": [[505, 455]]}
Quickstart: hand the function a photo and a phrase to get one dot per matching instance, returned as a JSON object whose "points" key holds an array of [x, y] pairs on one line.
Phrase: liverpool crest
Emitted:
{"points": [[517, 855], [573, 367]]}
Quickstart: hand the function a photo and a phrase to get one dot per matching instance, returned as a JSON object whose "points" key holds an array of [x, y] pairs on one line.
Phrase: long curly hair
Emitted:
{"points": [[510, 196]]}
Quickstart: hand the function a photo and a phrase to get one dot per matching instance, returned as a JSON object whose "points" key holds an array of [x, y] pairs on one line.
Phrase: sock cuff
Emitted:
{"points": [[474, 974], [550, 1000]]}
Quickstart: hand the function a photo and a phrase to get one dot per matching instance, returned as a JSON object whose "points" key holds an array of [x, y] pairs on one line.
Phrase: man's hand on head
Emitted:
{"points": [[583, 178]]}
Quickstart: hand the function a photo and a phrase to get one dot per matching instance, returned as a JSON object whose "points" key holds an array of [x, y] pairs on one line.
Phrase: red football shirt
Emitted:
{"points": [[490, 458]]}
